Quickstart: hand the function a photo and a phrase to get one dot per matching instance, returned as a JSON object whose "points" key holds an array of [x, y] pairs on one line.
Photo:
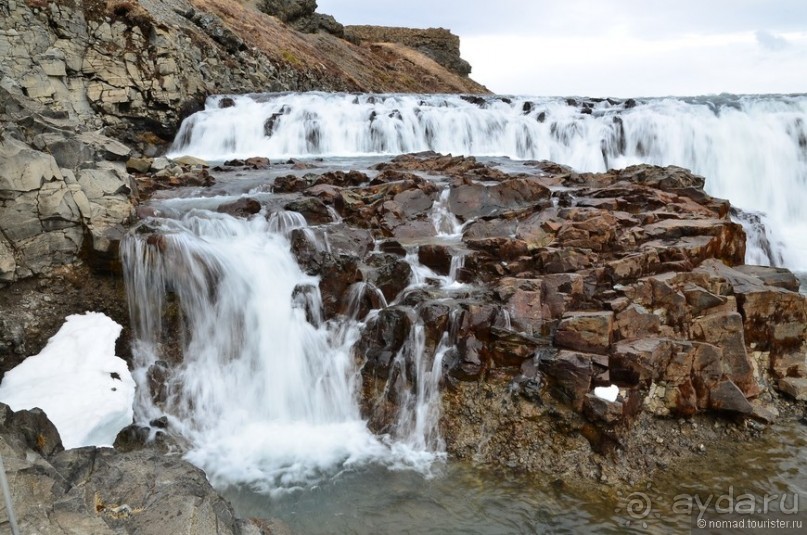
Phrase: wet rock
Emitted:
{"points": [[383, 338], [243, 208], [523, 303], [313, 209], [291, 184], [436, 257], [470, 359], [337, 271], [388, 273]]}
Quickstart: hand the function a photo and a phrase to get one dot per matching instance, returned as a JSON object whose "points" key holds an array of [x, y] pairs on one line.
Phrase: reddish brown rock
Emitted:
{"points": [[725, 330], [570, 375], [640, 362], [589, 332], [602, 410]]}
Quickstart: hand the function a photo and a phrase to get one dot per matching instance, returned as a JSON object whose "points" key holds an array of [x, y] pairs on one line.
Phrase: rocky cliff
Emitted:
{"points": [[437, 43], [76, 77]]}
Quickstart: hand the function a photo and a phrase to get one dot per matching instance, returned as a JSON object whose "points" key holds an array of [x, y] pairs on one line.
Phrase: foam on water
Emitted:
{"points": [[264, 397]]}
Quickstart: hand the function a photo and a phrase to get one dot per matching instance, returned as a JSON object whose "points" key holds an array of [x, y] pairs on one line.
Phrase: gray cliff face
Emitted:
{"points": [[61, 186], [71, 70], [75, 75], [125, 64]]}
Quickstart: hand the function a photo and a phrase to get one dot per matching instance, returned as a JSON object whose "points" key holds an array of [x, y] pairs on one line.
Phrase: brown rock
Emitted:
{"points": [[795, 387], [589, 332], [436, 257], [313, 210], [602, 410], [726, 396], [138, 165], [725, 330], [470, 201], [570, 375], [257, 162], [640, 362]]}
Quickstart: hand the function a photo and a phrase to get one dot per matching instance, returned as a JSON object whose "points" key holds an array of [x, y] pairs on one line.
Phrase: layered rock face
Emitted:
{"points": [[438, 43], [62, 188], [74, 75]]}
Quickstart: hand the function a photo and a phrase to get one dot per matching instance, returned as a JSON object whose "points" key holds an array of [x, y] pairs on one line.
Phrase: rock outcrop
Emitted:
{"points": [[438, 43], [302, 16], [78, 77], [63, 189]]}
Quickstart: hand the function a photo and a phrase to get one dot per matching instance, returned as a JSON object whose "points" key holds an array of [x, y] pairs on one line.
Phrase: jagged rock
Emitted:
{"points": [[139, 165], [383, 339], [570, 375], [589, 332], [596, 408], [388, 273], [726, 396], [795, 387], [725, 330], [313, 209]]}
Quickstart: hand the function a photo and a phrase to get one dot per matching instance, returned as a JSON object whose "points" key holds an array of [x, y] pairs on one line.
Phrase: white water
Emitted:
{"points": [[752, 150], [264, 397]]}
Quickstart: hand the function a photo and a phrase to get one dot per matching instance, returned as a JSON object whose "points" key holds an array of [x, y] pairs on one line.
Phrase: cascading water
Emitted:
{"points": [[751, 149], [264, 396]]}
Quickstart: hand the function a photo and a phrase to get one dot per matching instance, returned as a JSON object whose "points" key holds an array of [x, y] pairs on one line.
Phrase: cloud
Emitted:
{"points": [[651, 19], [623, 48], [771, 41]]}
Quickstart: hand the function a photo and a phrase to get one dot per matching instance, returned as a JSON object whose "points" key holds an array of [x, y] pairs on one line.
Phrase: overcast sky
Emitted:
{"points": [[618, 48]]}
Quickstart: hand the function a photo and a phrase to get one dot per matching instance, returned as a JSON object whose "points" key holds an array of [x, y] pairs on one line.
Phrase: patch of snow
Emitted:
{"points": [[86, 391], [608, 393]]}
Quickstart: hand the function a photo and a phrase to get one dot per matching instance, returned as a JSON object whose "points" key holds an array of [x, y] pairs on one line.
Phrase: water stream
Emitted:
{"points": [[266, 392]]}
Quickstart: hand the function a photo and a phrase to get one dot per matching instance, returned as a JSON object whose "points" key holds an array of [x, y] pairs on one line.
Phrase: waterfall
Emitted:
{"points": [[264, 395], [751, 149]]}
